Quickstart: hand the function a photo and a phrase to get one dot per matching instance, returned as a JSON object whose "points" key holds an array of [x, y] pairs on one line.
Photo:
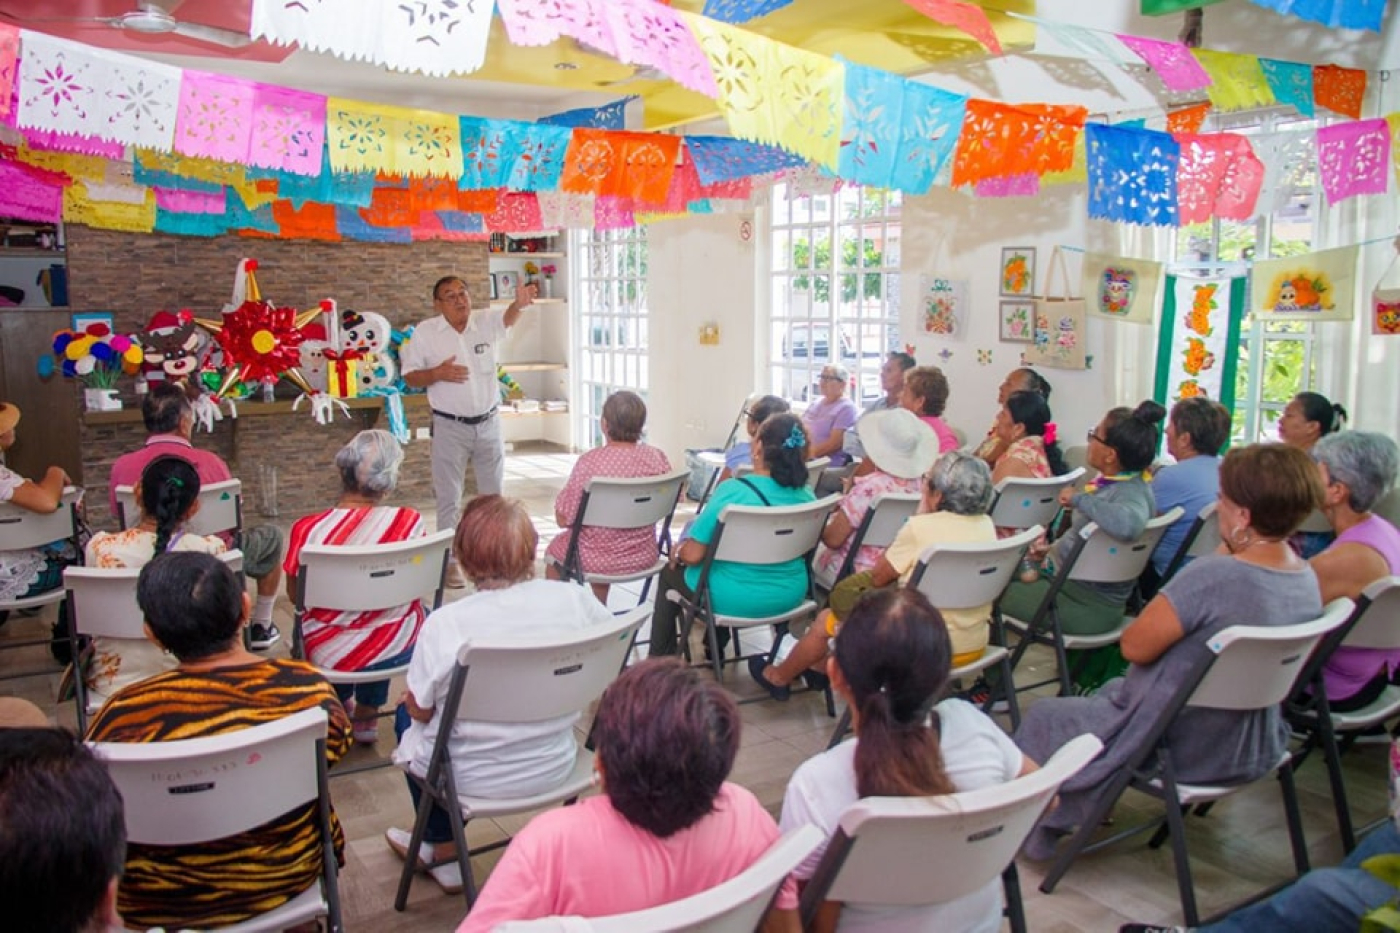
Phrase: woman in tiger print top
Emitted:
{"points": [[195, 609]]}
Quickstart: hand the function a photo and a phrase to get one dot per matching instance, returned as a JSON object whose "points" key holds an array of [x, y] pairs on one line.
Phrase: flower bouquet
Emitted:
{"points": [[98, 358], [531, 270], [548, 269]]}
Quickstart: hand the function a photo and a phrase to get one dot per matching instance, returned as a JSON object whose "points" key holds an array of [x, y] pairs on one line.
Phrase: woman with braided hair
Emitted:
{"points": [[168, 496], [890, 662]]}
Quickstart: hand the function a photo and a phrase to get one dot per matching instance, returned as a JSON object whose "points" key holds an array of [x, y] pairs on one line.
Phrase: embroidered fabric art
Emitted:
{"points": [[607, 117], [1353, 158], [1198, 345], [289, 130], [1171, 60], [30, 194], [775, 93], [966, 17], [1132, 175], [490, 149], [1000, 139], [216, 117], [1218, 175], [1291, 83], [9, 64], [435, 37], [735, 12], [1339, 89], [1187, 119], [720, 158], [1237, 81], [1343, 14], [1318, 286], [540, 161]]}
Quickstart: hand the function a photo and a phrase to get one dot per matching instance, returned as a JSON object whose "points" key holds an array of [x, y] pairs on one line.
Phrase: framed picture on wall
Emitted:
{"points": [[1017, 278], [1017, 322], [492, 280], [504, 285]]}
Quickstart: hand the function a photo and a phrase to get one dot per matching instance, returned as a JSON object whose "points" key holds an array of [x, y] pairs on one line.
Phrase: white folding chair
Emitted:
{"points": [[190, 791], [880, 854], [645, 502], [1247, 669], [1021, 503], [1316, 523], [735, 906], [21, 529], [751, 534], [1076, 456], [1095, 558], [965, 576], [815, 469], [515, 680], [102, 604], [1201, 539], [882, 521], [1374, 624], [220, 510]]}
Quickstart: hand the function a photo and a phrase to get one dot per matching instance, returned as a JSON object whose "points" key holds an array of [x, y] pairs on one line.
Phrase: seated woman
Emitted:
{"points": [[1024, 379], [926, 395], [827, 418], [1121, 448], [1358, 468], [779, 478], [953, 510], [1265, 491], [891, 664], [168, 496], [1305, 420], [667, 825], [1029, 448], [741, 454], [378, 639], [31, 571], [195, 608], [1197, 429], [623, 456], [898, 451], [495, 544]]}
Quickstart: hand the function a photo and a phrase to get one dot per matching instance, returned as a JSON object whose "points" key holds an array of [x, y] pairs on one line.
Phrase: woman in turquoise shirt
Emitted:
{"points": [[779, 478]]}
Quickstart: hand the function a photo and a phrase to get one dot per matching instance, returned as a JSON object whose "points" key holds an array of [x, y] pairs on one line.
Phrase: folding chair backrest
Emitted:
{"points": [[21, 528], [734, 906], [1204, 536], [1378, 617], [756, 534], [975, 835], [1076, 457], [538, 677], [631, 503], [103, 601], [1255, 666], [1389, 507], [1105, 559], [815, 469], [882, 521], [220, 508], [362, 577], [965, 576], [196, 790], [1021, 503], [1316, 523]]}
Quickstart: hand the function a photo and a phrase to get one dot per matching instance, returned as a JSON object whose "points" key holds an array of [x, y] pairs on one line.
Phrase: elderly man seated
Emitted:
{"points": [[169, 422]]}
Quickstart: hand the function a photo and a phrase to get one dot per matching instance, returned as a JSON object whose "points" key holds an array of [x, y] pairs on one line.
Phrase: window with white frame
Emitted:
{"points": [[610, 323], [1276, 357], [834, 288]]}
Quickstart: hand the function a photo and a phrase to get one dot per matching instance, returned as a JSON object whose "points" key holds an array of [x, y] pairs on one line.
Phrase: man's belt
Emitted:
{"points": [[461, 419]]}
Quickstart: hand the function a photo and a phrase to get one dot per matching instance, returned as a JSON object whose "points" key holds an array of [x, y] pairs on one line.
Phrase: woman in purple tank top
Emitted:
{"points": [[1358, 468]]}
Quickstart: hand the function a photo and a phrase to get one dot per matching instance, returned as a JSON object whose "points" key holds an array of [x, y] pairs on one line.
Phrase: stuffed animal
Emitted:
{"points": [[313, 355], [370, 335], [174, 347]]}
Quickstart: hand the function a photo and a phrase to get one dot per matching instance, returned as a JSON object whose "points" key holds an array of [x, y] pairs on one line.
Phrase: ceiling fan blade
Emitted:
{"points": [[213, 34]]}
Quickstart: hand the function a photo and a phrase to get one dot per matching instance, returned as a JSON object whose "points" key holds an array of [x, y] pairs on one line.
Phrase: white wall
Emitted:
{"points": [[700, 270]]}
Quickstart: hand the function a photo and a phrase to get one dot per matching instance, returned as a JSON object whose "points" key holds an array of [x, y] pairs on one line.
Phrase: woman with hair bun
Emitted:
{"points": [[168, 496], [360, 641], [1028, 438], [891, 662], [1121, 448], [1309, 417], [779, 478]]}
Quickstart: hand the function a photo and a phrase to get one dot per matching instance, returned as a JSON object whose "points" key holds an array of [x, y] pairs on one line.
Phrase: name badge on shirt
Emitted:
{"points": [[481, 348]]}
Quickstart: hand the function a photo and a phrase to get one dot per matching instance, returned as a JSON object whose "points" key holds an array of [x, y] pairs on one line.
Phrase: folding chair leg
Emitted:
{"points": [[1176, 828], [1079, 839], [841, 729], [830, 698], [1332, 755], [1015, 910], [1008, 689], [415, 843], [716, 658], [464, 859], [1295, 819]]}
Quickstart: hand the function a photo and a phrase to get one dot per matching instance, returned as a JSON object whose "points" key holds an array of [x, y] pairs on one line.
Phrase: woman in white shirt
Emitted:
{"points": [[890, 662]]}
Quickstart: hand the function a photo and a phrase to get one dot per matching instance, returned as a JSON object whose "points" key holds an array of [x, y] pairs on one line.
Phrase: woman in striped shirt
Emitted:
{"points": [[360, 641]]}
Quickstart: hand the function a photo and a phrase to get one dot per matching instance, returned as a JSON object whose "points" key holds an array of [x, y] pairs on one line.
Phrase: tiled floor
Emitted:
{"points": [[1240, 848]]}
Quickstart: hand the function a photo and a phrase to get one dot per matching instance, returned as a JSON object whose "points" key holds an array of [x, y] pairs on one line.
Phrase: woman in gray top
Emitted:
{"points": [[1266, 491], [1121, 448]]}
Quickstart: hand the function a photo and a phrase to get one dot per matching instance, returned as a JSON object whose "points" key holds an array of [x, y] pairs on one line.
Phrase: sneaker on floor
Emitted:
{"points": [[455, 579], [365, 731], [448, 876], [978, 694], [261, 637]]}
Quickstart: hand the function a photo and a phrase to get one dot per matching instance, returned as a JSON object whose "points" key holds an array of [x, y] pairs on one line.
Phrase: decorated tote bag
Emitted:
{"points": [[1385, 302], [1059, 322]]}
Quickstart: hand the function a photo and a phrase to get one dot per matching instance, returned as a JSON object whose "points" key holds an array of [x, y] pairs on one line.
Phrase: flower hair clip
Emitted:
{"points": [[795, 438], [1050, 432]]}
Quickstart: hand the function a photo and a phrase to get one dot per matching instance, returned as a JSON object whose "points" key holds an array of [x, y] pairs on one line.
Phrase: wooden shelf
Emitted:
{"points": [[553, 255], [535, 367], [247, 408], [505, 302], [34, 253]]}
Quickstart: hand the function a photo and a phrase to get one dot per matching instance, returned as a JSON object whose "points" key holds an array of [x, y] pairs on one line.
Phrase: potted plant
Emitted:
{"points": [[548, 290]]}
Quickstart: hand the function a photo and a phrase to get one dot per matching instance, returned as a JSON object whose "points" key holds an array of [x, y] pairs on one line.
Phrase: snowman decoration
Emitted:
{"points": [[368, 335]]}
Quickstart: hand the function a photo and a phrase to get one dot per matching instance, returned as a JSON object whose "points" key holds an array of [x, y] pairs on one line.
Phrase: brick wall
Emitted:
{"points": [[134, 275]]}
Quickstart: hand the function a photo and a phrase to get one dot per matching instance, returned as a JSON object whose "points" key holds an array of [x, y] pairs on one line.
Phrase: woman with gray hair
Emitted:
{"points": [[1358, 468], [956, 494], [360, 641]]}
